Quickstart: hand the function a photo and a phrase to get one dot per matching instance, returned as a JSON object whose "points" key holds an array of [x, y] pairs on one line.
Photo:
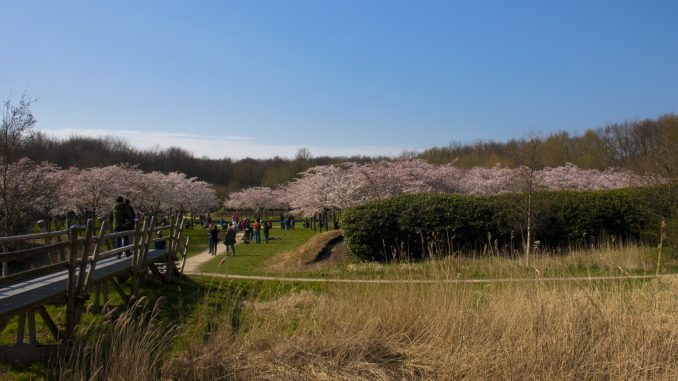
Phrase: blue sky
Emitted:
{"points": [[264, 78]]}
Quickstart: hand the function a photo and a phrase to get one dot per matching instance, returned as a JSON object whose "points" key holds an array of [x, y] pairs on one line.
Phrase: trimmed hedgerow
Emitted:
{"points": [[425, 224]]}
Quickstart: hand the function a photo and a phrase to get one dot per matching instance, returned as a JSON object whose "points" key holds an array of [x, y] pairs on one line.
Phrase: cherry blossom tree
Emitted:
{"points": [[255, 199], [29, 188], [335, 187]]}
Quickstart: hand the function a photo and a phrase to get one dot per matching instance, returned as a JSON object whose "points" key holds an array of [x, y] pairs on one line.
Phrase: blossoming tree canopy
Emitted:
{"points": [[335, 187], [46, 190]]}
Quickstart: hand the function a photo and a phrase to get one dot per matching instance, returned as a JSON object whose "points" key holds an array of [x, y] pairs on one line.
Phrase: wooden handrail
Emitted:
{"points": [[32, 251], [26, 237], [33, 273]]}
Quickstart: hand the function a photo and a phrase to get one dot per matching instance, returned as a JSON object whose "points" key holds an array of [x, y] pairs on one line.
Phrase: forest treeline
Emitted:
{"points": [[635, 145], [227, 175]]}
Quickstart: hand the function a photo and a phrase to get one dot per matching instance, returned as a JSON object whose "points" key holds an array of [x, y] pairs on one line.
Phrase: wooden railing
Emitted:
{"points": [[79, 258]]}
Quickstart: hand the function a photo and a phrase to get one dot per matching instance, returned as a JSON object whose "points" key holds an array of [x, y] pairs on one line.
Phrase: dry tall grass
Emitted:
{"points": [[606, 330], [390, 332], [130, 347], [622, 260]]}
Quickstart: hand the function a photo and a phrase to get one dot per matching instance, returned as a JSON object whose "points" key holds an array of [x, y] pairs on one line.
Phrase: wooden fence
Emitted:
{"points": [[75, 261]]}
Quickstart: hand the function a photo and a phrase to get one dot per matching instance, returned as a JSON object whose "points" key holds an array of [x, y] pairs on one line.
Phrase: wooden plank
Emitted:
{"points": [[21, 328], [162, 227], [27, 237], [147, 244], [33, 293], [113, 252], [33, 273], [71, 288], [121, 292], [26, 353], [156, 272], [95, 258], [119, 234], [81, 291], [159, 239], [48, 322], [17, 254], [44, 228], [82, 274], [170, 245], [185, 254], [138, 231], [62, 250], [147, 234], [97, 296], [32, 337]]}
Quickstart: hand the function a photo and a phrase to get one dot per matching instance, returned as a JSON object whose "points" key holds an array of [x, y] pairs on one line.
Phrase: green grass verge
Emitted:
{"points": [[250, 257]]}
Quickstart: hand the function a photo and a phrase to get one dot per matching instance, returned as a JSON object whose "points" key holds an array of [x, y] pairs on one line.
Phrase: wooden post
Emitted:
{"points": [[49, 322], [121, 292], [97, 296], [32, 337], [104, 291], [72, 282], [21, 328], [171, 247], [138, 229], [84, 259], [95, 257], [140, 249], [185, 254], [47, 240]]}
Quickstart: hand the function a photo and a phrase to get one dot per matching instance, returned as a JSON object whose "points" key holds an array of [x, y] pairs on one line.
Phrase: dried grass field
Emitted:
{"points": [[253, 330]]}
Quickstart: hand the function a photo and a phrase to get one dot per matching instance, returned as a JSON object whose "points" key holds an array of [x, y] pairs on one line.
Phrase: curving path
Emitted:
{"points": [[193, 263], [425, 281]]}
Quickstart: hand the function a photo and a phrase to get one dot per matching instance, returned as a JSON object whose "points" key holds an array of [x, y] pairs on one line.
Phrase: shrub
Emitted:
{"points": [[427, 224]]}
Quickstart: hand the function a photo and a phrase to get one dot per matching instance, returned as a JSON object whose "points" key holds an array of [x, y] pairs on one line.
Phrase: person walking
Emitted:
{"points": [[119, 220], [213, 239], [229, 240], [266, 226], [248, 231], [256, 229]]}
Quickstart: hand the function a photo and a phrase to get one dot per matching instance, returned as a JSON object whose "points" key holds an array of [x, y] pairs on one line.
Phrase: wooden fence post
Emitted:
{"points": [[140, 249], [72, 280], [44, 228], [138, 231]]}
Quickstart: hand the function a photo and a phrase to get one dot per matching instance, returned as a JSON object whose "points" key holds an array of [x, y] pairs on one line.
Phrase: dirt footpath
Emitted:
{"points": [[194, 262]]}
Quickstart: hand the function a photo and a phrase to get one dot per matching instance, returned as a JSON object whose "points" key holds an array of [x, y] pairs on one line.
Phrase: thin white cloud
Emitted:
{"points": [[217, 147]]}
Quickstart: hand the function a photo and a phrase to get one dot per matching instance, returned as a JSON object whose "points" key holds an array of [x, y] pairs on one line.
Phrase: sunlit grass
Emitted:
{"points": [[250, 258]]}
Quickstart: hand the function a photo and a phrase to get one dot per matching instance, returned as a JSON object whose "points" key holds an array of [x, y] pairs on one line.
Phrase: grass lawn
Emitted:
{"points": [[250, 257], [198, 236]]}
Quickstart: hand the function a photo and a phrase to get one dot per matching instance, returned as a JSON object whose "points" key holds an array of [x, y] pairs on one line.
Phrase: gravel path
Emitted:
{"points": [[423, 281], [193, 263]]}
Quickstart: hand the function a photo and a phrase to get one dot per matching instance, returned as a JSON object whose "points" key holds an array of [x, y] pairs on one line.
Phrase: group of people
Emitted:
{"points": [[286, 222], [213, 239], [252, 231]]}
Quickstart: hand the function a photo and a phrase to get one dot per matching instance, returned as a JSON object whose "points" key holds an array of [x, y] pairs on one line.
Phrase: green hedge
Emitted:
{"points": [[416, 225]]}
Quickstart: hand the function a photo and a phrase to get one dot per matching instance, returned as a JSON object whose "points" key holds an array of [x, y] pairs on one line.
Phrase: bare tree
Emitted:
{"points": [[17, 125], [528, 156]]}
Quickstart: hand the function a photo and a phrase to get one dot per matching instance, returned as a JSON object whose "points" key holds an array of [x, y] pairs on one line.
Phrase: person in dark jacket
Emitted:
{"points": [[131, 216], [229, 240], [266, 225], [213, 237], [119, 219], [160, 245]]}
